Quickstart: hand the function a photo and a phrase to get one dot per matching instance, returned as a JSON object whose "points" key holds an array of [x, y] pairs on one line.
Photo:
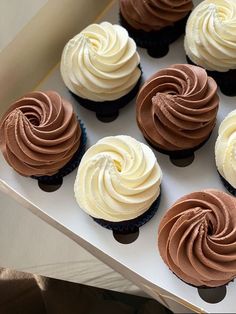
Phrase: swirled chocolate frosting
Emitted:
{"points": [[149, 15], [39, 134], [197, 238], [177, 107]]}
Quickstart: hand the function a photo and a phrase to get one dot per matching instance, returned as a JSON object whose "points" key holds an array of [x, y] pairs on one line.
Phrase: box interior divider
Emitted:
{"points": [[139, 261]]}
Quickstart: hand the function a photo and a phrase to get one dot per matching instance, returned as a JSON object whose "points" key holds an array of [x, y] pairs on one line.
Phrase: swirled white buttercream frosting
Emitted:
{"points": [[101, 63], [118, 179], [225, 149], [210, 39]]}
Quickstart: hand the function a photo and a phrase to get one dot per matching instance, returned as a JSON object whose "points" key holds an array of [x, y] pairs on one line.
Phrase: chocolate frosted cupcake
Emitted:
{"points": [[155, 24], [197, 238], [118, 183], [210, 41], [225, 152], [177, 108], [40, 136], [100, 66]]}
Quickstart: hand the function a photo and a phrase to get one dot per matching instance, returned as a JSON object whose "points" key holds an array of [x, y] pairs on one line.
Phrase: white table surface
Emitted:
{"points": [[29, 244]]}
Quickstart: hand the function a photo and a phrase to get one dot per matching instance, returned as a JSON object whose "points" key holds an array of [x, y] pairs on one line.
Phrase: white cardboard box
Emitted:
{"points": [[139, 261]]}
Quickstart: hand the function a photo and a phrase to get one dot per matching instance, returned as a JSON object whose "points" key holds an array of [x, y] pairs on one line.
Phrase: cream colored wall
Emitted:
{"points": [[38, 46], [14, 15]]}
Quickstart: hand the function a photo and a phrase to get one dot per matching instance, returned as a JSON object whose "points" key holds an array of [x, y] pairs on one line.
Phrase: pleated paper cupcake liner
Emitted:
{"points": [[227, 185], [225, 80], [201, 287], [132, 225], [109, 109], [156, 42], [178, 154]]}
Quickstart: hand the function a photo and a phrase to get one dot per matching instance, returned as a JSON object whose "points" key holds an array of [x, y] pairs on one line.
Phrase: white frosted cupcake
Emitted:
{"points": [[225, 152], [100, 66], [210, 41], [118, 183]]}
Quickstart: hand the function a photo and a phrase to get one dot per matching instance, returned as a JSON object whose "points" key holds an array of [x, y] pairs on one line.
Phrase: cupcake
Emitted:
{"points": [[225, 152], [41, 137], [155, 24], [177, 108], [118, 183], [197, 238], [210, 41], [100, 66]]}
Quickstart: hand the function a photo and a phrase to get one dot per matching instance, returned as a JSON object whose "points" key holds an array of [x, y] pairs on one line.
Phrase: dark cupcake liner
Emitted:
{"points": [[225, 80], [132, 225], [71, 165], [200, 287], [107, 111], [178, 154], [227, 185], [156, 42]]}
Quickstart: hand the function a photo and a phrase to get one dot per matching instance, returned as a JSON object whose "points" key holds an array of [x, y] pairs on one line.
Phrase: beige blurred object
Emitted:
{"points": [[19, 293], [25, 294]]}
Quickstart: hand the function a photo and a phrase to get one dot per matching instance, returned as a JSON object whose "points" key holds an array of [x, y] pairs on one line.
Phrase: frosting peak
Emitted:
{"points": [[197, 238], [101, 63], [118, 179], [153, 15], [177, 107], [39, 134]]}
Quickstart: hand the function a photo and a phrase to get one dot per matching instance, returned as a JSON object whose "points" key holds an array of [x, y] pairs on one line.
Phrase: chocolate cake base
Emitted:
{"points": [[132, 225], [178, 154], [200, 287], [156, 42], [227, 185], [108, 111], [225, 80]]}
